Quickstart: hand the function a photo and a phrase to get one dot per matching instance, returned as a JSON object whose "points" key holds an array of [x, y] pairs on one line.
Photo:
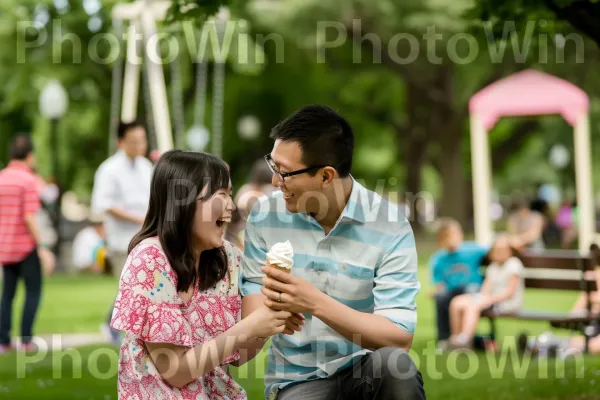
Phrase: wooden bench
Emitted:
{"points": [[558, 270]]}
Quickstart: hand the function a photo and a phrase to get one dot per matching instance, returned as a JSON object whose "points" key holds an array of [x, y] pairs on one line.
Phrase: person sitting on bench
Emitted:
{"points": [[455, 271], [502, 291]]}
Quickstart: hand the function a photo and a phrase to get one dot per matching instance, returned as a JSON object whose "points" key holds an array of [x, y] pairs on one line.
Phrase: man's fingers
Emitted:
{"points": [[283, 277], [270, 294], [275, 305], [275, 284]]}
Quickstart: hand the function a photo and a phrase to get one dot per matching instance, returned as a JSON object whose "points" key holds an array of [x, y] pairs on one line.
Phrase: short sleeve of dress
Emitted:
{"points": [[514, 266], [147, 303]]}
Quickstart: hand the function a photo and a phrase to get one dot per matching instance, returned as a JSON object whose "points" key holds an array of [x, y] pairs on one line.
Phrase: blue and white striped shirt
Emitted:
{"points": [[368, 262]]}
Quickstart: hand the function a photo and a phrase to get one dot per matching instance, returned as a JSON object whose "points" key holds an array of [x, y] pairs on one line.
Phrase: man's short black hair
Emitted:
{"points": [[324, 136], [20, 147], [124, 127]]}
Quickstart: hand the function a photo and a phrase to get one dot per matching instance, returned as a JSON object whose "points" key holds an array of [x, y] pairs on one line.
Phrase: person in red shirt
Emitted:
{"points": [[20, 254]]}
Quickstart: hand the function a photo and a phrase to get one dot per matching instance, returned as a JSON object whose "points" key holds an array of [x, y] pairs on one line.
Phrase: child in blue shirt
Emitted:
{"points": [[454, 271]]}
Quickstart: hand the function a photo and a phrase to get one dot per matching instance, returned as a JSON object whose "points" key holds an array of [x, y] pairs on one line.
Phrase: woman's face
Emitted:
{"points": [[211, 218]]}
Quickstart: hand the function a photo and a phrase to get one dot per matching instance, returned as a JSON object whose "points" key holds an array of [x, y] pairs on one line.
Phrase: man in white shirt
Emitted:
{"points": [[122, 192]]}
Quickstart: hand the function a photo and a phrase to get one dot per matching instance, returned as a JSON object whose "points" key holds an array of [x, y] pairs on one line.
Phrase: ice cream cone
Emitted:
{"points": [[279, 267]]}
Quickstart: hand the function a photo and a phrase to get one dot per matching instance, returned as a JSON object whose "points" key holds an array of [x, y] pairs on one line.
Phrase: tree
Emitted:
{"points": [[430, 120], [583, 15]]}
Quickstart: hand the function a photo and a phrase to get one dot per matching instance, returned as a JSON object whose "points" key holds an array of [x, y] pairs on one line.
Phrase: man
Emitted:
{"points": [[20, 251], [354, 277], [122, 192]]}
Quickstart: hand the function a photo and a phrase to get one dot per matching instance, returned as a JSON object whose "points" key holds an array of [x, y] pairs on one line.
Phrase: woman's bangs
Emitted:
{"points": [[217, 178]]}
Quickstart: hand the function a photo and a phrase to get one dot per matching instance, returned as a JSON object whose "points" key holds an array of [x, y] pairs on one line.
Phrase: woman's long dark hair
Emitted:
{"points": [[179, 177]]}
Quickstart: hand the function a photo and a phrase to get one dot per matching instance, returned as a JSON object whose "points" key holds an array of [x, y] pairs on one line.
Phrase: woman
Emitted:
{"points": [[178, 299]]}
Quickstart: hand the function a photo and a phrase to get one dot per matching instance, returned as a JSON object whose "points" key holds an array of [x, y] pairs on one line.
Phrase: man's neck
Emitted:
{"points": [[337, 200], [20, 164]]}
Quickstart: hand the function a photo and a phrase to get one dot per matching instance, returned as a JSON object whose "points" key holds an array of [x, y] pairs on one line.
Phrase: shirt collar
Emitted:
{"points": [[20, 165], [121, 154], [354, 210]]}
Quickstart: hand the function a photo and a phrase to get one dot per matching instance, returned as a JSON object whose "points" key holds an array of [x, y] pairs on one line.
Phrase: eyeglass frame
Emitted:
{"points": [[283, 175]]}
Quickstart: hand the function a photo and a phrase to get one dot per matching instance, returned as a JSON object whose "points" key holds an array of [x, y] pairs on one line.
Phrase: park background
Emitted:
{"points": [[410, 118]]}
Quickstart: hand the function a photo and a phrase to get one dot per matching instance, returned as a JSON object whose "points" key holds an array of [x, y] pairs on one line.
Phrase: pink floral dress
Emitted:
{"points": [[149, 309]]}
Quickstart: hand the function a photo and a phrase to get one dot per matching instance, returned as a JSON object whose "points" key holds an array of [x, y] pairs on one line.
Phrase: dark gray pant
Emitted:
{"points": [[386, 374], [30, 269], [442, 307]]}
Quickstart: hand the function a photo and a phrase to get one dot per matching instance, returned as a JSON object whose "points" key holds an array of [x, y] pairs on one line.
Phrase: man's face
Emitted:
{"points": [[135, 143], [303, 192]]}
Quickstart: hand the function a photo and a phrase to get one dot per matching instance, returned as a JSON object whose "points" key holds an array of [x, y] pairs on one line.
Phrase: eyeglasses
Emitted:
{"points": [[283, 175]]}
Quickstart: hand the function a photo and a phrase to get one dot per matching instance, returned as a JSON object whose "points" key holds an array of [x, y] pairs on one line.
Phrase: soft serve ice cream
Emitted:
{"points": [[281, 256]]}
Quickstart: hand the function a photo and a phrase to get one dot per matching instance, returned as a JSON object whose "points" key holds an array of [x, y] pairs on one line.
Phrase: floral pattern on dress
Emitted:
{"points": [[148, 308]]}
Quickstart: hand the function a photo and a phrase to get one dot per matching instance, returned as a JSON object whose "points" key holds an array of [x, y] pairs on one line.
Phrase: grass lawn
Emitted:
{"points": [[70, 304], [79, 304]]}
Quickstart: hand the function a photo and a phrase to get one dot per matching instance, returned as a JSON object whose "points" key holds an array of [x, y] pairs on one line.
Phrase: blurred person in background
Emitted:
{"points": [[121, 194], [89, 248], [21, 252], [48, 193], [502, 291], [454, 271], [259, 185], [526, 227], [565, 221]]}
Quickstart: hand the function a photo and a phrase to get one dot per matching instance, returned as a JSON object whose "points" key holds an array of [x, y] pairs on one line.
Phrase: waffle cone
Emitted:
{"points": [[279, 267]]}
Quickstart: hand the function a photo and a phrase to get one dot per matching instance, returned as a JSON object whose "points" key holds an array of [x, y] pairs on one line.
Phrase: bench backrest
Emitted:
{"points": [[558, 269]]}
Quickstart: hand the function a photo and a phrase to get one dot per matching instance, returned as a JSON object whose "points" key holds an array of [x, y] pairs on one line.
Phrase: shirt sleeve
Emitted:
{"points": [[255, 254], [31, 200], [147, 303], [105, 193], [514, 266], [396, 281]]}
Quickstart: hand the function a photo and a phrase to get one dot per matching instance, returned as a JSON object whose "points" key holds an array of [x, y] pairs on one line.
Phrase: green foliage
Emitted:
{"points": [[196, 10]]}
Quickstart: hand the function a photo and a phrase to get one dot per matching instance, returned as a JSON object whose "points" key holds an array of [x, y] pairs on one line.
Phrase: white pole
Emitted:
{"points": [[156, 81], [131, 80], [480, 165], [583, 175]]}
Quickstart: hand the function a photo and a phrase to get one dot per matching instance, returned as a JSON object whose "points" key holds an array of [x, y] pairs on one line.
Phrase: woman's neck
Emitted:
{"points": [[197, 251]]}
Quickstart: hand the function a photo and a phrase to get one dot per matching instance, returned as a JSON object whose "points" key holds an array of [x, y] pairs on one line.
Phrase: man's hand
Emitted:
{"points": [[297, 295]]}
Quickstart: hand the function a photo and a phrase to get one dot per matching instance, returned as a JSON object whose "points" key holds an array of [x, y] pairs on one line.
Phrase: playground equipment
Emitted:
{"points": [[530, 92], [143, 16]]}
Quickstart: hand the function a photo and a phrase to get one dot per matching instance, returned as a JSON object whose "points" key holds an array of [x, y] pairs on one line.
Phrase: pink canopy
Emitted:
{"points": [[528, 92]]}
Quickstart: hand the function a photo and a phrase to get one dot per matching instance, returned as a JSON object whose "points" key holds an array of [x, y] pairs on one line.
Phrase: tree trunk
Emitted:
{"points": [[415, 160], [454, 197]]}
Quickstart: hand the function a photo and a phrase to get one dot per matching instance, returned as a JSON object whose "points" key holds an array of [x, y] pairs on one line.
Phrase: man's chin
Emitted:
{"points": [[291, 206]]}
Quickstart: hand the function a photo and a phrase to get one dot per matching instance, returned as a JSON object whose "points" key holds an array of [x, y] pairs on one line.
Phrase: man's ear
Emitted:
{"points": [[328, 175]]}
